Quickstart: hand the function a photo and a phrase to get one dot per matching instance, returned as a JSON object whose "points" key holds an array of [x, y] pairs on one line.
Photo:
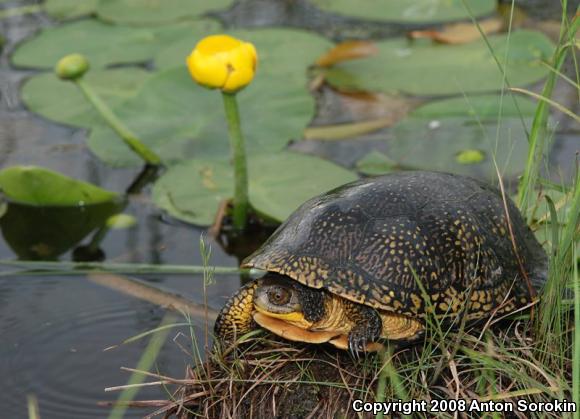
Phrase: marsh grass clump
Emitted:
{"points": [[268, 377]]}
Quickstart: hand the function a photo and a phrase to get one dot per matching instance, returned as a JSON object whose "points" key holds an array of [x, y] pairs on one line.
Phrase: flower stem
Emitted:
{"points": [[240, 204], [132, 141]]}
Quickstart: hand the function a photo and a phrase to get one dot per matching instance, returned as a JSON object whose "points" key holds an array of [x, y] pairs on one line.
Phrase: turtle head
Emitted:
{"points": [[283, 298], [274, 298], [293, 311]]}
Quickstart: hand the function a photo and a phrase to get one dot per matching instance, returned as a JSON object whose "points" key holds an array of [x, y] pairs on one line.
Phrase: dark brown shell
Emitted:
{"points": [[376, 240]]}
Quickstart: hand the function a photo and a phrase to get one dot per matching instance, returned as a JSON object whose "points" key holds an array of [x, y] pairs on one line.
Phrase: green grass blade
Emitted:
{"points": [[145, 364]]}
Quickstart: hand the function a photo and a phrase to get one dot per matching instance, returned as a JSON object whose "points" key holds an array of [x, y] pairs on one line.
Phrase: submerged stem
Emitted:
{"points": [[148, 155], [240, 204]]}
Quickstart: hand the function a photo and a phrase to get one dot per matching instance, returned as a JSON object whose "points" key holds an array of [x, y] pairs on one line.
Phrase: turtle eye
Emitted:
{"points": [[279, 295]]}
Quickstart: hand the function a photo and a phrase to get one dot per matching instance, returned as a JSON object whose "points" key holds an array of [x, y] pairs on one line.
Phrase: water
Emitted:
{"points": [[53, 329]]}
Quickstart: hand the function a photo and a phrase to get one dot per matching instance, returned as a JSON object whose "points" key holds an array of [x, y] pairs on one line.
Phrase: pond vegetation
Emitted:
{"points": [[464, 86]]}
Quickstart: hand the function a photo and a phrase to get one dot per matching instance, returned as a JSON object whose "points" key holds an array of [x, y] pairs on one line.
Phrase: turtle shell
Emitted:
{"points": [[409, 243]]}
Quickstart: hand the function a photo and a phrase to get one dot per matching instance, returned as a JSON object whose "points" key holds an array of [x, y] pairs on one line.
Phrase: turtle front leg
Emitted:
{"points": [[235, 319], [367, 327]]}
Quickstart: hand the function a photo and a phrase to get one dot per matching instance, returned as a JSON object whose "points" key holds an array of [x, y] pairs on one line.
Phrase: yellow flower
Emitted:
{"points": [[223, 62]]}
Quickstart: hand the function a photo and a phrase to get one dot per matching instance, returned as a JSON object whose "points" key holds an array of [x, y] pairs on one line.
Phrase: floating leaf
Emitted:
{"points": [[481, 106], [103, 44], [179, 119], [42, 187], [375, 163], [422, 143], [424, 69], [460, 33], [151, 12], [282, 52], [345, 51], [69, 9], [278, 184], [44, 233], [62, 101], [409, 10]]}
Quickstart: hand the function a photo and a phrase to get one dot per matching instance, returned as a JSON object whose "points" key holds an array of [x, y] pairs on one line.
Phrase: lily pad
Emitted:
{"points": [[69, 9], [151, 12], [278, 184], [44, 233], [375, 163], [103, 44], [408, 10], [481, 106], [282, 52], [179, 119], [422, 68], [62, 101], [42, 187], [422, 143]]}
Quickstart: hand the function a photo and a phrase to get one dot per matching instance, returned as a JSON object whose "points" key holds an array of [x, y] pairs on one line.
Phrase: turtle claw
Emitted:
{"points": [[366, 331], [357, 343]]}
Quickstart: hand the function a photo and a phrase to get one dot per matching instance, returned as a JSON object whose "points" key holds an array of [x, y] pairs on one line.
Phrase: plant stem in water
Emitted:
{"points": [[240, 204], [148, 155]]}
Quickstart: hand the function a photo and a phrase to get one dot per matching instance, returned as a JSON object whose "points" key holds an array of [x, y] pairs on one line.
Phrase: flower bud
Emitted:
{"points": [[223, 62], [71, 67]]}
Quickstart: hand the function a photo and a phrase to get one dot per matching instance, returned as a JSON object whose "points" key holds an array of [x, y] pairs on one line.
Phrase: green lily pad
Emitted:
{"points": [[421, 143], [282, 52], [44, 233], [42, 187], [103, 44], [481, 106], [423, 68], [62, 101], [375, 163], [278, 183], [69, 9], [179, 119], [408, 10], [151, 12]]}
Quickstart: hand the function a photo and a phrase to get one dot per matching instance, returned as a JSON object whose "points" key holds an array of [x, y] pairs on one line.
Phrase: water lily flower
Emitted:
{"points": [[226, 63], [223, 62]]}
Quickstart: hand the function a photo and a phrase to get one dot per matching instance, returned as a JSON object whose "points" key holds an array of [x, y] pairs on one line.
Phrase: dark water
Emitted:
{"points": [[53, 329]]}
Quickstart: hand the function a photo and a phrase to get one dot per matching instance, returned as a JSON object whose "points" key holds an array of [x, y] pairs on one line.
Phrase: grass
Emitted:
{"points": [[148, 358]]}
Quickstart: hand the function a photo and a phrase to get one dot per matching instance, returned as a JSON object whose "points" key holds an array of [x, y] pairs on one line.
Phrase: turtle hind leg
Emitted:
{"points": [[235, 319], [398, 326]]}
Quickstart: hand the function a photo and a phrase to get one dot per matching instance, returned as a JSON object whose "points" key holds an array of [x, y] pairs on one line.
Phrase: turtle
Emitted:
{"points": [[371, 260]]}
